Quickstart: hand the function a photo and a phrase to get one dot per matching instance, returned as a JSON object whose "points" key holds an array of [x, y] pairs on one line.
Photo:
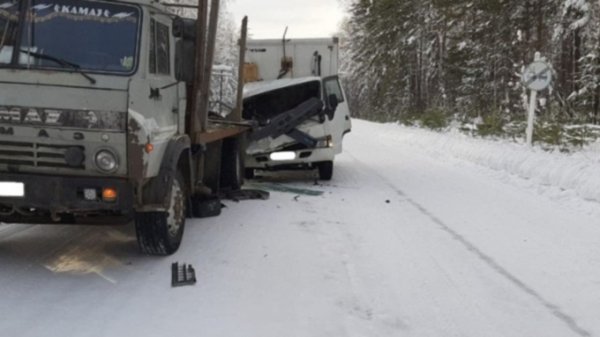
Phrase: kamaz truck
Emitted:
{"points": [[104, 120]]}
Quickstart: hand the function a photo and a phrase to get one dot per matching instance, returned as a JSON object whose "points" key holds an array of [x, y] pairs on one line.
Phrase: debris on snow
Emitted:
{"points": [[182, 275]]}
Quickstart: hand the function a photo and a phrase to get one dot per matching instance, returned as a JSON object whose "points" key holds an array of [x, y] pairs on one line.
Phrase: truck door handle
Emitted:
{"points": [[154, 93]]}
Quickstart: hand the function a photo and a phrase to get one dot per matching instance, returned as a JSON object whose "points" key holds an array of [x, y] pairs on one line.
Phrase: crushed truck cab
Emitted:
{"points": [[281, 76], [296, 128]]}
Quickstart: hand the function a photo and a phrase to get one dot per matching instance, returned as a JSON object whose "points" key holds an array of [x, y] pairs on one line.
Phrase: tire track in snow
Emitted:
{"points": [[362, 316], [9, 230], [554, 309]]}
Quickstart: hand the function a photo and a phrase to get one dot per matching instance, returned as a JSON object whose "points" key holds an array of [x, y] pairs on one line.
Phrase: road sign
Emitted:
{"points": [[537, 76]]}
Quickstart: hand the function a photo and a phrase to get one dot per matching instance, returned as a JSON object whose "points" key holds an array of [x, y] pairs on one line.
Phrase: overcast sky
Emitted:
{"points": [[305, 18]]}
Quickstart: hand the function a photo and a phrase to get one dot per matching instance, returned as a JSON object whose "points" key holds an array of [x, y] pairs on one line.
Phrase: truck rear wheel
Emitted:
{"points": [[325, 170], [160, 233], [249, 173], [232, 165]]}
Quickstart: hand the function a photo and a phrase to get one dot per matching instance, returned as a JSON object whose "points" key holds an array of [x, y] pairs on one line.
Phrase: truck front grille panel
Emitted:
{"points": [[36, 154]]}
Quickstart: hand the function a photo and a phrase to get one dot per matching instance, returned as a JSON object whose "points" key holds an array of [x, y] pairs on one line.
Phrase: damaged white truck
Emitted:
{"points": [[293, 86], [104, 120]]}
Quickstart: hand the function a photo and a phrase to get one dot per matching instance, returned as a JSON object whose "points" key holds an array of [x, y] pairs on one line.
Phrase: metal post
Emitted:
{"points": [[532, 108], [206, 71], [236, 116], [221, 79], [196, 119], [531, 117]]}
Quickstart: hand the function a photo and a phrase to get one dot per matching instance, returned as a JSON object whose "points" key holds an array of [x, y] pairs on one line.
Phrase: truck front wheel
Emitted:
{"points": [[160, 233], [325, 170]]}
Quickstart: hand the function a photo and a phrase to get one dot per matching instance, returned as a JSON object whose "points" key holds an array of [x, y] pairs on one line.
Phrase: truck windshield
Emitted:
{"points": [[95, 36], [9, 18], [263, 107]]}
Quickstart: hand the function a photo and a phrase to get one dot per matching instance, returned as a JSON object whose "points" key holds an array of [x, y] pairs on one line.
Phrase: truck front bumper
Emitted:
{"points": [[306, 159], [56, 199]]}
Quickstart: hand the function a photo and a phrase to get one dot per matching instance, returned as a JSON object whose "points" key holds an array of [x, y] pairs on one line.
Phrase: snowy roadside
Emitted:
{"points": [[576, 172]]}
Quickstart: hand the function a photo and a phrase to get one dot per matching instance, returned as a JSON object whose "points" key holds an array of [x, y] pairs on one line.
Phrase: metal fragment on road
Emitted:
{"points": [[183, 275], [247, 194]]}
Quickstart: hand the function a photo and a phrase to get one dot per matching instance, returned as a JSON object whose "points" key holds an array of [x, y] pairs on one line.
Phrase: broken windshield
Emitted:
{"points": [[268, 105], [96, 36]]}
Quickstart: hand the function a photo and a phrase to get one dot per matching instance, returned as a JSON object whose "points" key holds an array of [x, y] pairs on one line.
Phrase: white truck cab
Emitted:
{"points": [[282, 75]]}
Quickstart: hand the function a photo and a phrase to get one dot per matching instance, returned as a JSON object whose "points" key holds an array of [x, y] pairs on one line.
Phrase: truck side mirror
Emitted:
{"points": [[333, 102], [184, 28], [185, 64]]}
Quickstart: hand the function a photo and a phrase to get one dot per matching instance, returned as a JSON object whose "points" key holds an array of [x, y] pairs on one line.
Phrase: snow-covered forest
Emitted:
{"points": [[434, 62]]}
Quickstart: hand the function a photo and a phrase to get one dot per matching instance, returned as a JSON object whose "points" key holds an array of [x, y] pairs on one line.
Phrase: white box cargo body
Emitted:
{"points": [[309, 57]]}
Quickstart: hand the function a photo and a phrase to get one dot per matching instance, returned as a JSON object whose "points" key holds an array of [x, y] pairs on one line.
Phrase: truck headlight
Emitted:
{"points": [[106, 161], [282, 156], [326, 142]]}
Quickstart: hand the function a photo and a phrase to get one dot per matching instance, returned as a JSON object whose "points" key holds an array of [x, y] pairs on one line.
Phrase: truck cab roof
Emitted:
{"points": [[146, 3], [257, 88]]}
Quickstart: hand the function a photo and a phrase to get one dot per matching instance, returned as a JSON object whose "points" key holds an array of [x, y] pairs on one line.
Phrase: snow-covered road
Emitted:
{"points": [[403, 242]]}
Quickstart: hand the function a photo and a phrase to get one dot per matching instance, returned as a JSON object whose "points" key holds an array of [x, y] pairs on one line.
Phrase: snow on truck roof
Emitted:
{"points": [[160, 5], [334, 40], [257, 88]]}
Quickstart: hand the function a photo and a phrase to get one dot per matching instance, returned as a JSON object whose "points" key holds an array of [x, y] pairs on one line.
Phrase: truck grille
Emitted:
{"points": [[36, 154]]}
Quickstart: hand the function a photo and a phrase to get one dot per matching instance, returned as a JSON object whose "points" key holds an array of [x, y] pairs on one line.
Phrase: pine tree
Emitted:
{"points": [[464, 57]]}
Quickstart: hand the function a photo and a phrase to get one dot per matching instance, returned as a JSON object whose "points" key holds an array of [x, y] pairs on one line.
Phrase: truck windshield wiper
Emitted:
{"points": [[61, 62]]}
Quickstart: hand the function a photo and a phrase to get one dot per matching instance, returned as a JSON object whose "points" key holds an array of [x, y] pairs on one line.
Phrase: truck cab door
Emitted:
{"points": [[340, 123], [154, 94]]}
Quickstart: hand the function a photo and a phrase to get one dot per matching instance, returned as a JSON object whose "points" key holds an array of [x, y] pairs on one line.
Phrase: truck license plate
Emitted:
{"points": [[12, 189]]}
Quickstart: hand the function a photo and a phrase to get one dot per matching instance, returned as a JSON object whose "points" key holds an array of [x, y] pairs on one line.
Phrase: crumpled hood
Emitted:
{"points": [[311, 127]]}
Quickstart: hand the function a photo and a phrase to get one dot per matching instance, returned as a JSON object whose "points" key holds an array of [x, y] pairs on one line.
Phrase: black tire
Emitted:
{"points": [[205, 207], [232, 165], [249, 173], [160, 233], [325, 170]]}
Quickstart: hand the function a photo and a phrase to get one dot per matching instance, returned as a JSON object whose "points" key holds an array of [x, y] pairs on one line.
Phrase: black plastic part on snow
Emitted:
{"points": [[183, 275], [246, 194], [205, 206]]}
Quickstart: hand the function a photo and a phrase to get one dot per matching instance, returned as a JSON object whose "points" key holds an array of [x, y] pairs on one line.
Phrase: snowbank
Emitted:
{"points": [[578, 172]]}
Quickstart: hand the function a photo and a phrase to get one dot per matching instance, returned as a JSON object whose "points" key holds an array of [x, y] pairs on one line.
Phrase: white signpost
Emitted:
{"points": [[537, 77]]}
